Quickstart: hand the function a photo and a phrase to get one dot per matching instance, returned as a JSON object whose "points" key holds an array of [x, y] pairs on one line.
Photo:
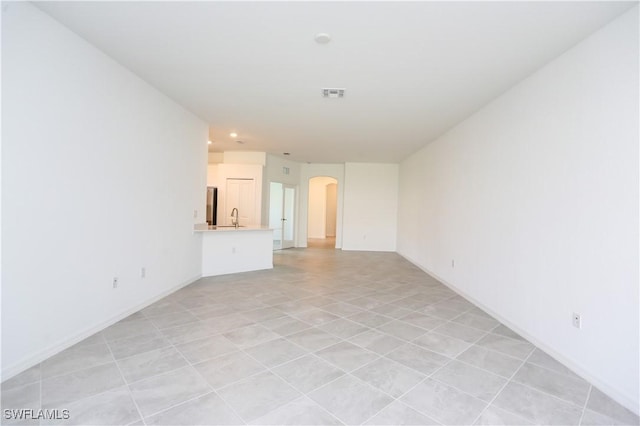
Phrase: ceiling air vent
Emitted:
{"points": [[333, 93]]}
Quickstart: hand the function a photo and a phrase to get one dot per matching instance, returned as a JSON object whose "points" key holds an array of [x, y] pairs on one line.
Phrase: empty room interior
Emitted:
{"points": [[319, 213]]}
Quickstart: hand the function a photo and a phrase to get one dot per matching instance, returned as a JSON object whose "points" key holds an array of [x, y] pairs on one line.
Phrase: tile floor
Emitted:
{"points": [[325, 243], [326, 337]]}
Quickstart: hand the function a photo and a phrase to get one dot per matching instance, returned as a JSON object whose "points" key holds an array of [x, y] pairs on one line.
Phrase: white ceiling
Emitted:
{"points": [[411, 69]]}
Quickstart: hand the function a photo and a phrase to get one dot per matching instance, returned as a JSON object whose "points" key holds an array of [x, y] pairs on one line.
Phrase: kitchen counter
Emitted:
{"points": [[225, 228], [229, 250]]}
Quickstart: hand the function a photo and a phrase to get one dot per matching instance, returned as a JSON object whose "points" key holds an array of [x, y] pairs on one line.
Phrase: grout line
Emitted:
{"points": [[171, 407], [303, 396], [584, 407], [135, 403], [97, 394], [314, 354], [167, 345], [556, 397], [188, 364], [267, 369], [359, 380], [426, 377], [566, 401], [430, 376], [486, 332], [162, 373], [502, 389], [66, 373], [375, 290], [347, 373], [572, 375], [397, 401], [526, 360], [40, 374], [481, 368], [344, 373]]}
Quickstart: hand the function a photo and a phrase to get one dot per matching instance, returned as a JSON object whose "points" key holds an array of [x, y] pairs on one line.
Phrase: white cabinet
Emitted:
{"points": [[241, 194], [230, 251]]}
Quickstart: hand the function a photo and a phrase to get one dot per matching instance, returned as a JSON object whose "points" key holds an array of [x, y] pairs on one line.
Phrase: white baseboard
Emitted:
{"points": [[612, 392], [56, 348]]}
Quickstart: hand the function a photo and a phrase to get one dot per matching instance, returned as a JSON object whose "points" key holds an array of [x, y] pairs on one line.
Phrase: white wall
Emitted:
{"points": [[212, 175], [536, 198], [215, 157], [245, 157], [370, 206], [308, 171], [274, 171], [101, 176], [331, 209], [317, 208]]}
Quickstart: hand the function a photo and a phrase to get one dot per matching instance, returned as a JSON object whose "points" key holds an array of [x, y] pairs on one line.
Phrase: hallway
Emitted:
{"points": [[322, 243], [326, 337]]}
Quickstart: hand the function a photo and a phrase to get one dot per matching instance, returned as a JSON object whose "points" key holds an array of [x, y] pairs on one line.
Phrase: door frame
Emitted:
{"points": [[292, 242], [284, 186], [308, 171]]}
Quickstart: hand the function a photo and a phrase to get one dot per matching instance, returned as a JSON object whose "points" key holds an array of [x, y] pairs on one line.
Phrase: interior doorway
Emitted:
{"points": [[282, 202], [322, 212]]}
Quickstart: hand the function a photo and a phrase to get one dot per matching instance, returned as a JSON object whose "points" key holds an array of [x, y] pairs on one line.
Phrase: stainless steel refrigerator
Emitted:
{"points": [[212, 205]]}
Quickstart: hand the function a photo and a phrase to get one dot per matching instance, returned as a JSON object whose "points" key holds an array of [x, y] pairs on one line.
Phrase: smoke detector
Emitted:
{"points": [[333, 93], [322, 38]]}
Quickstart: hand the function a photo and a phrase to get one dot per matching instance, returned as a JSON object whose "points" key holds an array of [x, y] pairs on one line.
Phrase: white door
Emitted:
{"points": [[276, 194], [288, 215], [282, 202], [241, 194]]}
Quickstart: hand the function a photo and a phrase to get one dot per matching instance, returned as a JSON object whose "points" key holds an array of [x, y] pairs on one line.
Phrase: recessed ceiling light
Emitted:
{"points": [[322, 38], [209, 143], [233, 135], [240, 142], [286, 153]]}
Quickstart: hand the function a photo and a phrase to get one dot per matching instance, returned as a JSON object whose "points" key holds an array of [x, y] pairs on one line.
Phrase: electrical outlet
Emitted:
{"points": [[195, 214], [577, 320], [115, 282], [233, 250], [143, 272]]}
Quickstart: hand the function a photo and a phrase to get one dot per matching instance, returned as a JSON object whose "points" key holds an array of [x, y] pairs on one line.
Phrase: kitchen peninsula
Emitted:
{"points": [[227, 249]]}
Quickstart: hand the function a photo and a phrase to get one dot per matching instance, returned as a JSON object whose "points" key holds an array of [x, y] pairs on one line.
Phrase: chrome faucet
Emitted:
{"points": [[235, 218]]}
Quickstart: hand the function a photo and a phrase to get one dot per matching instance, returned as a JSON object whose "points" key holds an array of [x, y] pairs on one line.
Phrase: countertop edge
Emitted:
{"points": [[206, 229]]}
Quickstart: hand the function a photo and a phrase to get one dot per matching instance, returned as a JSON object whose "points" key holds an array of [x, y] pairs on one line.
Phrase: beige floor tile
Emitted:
{"points": [[326, 337]]}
